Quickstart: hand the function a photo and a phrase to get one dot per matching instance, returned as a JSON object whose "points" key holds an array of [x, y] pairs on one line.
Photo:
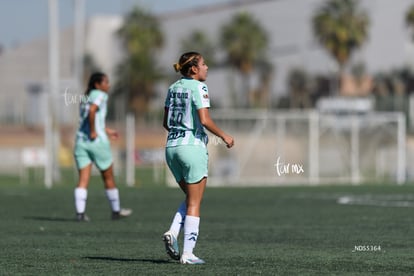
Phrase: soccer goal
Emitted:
{"points": [[279, 148]]}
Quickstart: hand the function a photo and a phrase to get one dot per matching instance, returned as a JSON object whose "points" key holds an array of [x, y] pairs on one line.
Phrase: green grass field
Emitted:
{"points": [[249, 231]]}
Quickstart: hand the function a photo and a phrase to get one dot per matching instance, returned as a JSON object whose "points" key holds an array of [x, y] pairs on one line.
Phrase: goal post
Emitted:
{"points": [[308, 147]]}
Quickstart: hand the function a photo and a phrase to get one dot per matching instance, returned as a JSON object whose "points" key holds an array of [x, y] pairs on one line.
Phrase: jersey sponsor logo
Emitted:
{"points": [[193, 236], [204, 88], [179, 95], [179, 105], [176, 135]]}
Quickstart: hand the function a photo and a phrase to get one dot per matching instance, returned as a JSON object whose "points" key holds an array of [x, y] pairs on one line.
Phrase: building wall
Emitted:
{"points": [[288, 23]]}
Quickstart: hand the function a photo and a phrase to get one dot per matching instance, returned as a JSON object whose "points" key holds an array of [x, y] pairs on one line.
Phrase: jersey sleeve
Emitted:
{"points": [[97, 98], [201, 98], [167, 99]]}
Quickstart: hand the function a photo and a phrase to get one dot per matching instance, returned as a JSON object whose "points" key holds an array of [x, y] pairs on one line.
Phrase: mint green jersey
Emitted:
{"points": [[100, 99], [184, 98]]}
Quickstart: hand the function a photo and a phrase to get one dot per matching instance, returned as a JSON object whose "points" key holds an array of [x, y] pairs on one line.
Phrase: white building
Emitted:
{"points": [[288, 23]]}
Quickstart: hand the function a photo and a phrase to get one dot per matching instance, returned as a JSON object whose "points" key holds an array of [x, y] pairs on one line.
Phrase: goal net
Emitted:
{"points": [[279, 148]]}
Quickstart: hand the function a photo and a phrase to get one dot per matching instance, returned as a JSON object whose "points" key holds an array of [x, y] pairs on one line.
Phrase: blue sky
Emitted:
{"points": [[25, 20]]}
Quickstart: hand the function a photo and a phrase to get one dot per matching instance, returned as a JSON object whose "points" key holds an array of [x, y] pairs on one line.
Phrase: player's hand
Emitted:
{"points": [[93, 135], [228, 140], [113, 134]]}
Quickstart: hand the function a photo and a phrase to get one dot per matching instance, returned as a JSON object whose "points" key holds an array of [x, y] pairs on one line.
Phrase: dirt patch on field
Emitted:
{"points": [[16, 137]]}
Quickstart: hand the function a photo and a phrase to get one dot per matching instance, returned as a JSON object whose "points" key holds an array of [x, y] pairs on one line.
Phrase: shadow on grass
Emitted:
{"points": [[49, 219], [126, 260]]}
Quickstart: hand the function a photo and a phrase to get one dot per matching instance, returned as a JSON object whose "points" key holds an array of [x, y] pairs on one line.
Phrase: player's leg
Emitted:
{"points": [[84, 165], [170, 237], [195, 159], [179, 217], [102, 154], [195, 193], [112, 194], [81, 192], [178, 220]]}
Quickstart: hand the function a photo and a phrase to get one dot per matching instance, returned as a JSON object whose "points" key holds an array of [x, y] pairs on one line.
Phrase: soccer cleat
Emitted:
{"points": [[171, 245], [121, 214], [82, 217], [191, 259]]}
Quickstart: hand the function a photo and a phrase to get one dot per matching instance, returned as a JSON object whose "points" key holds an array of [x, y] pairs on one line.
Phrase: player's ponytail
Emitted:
{"points": [[186, 62], [94, 79]]}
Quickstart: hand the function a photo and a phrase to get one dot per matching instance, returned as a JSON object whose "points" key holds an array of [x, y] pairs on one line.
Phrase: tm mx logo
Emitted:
{"points": [[287, 168]]}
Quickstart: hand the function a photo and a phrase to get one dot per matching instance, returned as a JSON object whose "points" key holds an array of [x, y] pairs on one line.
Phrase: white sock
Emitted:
{"points": [[178, 220], [190, 233], [113, 197], [81, 196]]}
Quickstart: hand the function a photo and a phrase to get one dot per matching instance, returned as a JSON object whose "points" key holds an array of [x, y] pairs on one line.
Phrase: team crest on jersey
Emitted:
{"points": [[205, 96]]}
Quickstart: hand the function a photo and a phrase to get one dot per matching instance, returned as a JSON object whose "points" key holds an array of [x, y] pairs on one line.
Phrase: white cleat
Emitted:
{"points": [[123, 213], [171, 245], [191, 259], [82, 217]]}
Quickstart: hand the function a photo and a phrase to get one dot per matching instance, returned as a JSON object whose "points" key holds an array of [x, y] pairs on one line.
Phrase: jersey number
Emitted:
{"points": [[176, 120]]}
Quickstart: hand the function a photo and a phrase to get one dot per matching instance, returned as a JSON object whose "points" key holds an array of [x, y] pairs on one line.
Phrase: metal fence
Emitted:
{"points": [[275, 148]]}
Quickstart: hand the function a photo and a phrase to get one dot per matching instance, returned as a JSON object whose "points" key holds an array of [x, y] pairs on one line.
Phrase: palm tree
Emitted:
{"points": [[137, 73], [299, 84], [245, 43], [409, 19], [341, 27], [199, 41], [263, 95]]}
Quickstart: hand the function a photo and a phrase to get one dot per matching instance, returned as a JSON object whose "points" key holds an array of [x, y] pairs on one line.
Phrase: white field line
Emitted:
{"points": [[378, 200]]}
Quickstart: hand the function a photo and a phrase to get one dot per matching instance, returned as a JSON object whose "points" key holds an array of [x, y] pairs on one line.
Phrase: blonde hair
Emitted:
{"points": [[177, 67], [187, 60]]}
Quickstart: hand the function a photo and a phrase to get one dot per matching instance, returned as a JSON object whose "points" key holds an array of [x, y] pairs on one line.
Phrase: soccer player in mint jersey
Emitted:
{"points": [[186, 114], [93, 146]]}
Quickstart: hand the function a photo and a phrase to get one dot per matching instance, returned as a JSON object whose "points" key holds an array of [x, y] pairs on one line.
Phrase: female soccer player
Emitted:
{"points": [[92, 146], [186, 114]]}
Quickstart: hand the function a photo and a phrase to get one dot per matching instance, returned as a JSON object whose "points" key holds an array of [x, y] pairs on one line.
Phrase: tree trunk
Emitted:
{"points": [[246, 99], [339, 80]]}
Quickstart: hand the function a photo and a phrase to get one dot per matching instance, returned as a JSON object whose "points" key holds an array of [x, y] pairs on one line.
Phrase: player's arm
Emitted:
{"points": [[165, 119], [92, 112], [209, 124]]}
